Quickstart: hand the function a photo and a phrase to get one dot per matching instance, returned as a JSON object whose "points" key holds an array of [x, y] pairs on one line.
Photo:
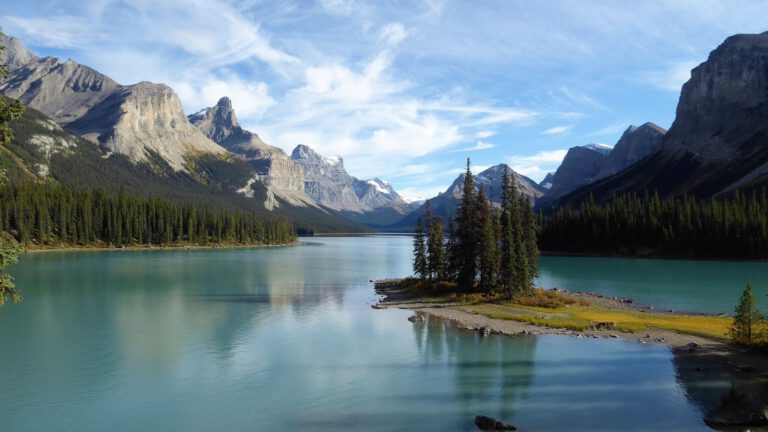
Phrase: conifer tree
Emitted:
{"points": [[508, 253], [530, 238], [747, 315], [419, 251], [466, 234], [487, 243], [436, 248]]}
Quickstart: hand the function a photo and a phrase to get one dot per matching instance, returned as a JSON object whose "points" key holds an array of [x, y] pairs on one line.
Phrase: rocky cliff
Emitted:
{"points": [[283, 177], [327, 181], [719, 139], [144, 121]]}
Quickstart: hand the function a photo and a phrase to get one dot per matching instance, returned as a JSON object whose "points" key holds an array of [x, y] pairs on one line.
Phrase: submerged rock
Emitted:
{"points": [[416, 318], [485, 331], [490, 423]]}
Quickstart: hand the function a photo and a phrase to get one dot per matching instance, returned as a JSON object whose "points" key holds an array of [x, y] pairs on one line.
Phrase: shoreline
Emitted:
{"points": [[708, 368], [648, 256], [150, 248]]}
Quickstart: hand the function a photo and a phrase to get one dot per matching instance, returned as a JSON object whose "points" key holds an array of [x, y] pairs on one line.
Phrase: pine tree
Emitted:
{"points": [[436, 248], [747, 315], [487, 244], [419, 252], [508, 253], [530, 238], [466, 234], [9, 248]]}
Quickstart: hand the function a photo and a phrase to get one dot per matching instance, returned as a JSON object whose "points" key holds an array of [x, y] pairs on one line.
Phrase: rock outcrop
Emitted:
{"points": [[635, 143], [283, 177], [141, 121], [327, 181], [144, 121], [719, 139]]}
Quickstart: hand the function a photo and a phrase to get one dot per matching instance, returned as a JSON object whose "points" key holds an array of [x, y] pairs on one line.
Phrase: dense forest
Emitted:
{"points": [[489, 249], [733, 227], [47, 215]]}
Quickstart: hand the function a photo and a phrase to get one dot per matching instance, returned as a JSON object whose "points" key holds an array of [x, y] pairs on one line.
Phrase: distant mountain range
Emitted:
{"points": [[144, 127], [85, 130]]}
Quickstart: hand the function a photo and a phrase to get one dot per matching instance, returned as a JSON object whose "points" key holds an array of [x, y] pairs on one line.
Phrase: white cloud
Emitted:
{"points": [[394, 33], [249, 99], [672, 77], [556, 130], [537, 165], [480, 145], [414, 194], [54, 32]]}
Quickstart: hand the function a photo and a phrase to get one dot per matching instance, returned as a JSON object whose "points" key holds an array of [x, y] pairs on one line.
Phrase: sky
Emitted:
{"points": [[404, 91]]}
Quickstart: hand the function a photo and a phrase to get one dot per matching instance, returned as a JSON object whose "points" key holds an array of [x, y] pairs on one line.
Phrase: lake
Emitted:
{"points": [[285, 339]]}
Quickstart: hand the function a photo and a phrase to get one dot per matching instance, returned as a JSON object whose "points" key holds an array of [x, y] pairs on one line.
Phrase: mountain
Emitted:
{"points": [[587, 164], [719, 139], [373, 202], [84, 130], [581, 165], [547, 182], [282, 176], [444, 204]]}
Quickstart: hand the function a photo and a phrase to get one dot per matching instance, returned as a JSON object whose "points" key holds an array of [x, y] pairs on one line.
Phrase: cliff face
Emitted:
{"points": [[143, 121], [326, 180], [283, 177], [580, 166], [719, 139], [725, 103], [635, 143]]}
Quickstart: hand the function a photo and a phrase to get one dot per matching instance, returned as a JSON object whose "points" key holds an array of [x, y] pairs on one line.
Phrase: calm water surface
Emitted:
{"points": [[285, 339]]}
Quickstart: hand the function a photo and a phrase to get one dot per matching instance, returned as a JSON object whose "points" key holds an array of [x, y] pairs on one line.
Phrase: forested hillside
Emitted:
{"points": [[46, 215]]}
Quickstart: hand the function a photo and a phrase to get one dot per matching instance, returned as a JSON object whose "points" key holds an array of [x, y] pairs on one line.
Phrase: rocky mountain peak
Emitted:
{"points": [[724, 104], [16, 54], [305, 152]]}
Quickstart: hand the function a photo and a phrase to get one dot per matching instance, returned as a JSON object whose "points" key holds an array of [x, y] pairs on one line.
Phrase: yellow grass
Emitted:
{"points": [[582, 317]]}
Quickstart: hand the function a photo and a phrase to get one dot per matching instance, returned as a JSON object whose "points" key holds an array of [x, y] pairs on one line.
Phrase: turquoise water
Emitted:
{"points": [[681, 285], [285, 339]]}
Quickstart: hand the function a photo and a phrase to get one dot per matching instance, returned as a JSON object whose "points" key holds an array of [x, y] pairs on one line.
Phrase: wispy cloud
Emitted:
{"points": [[480, 145], [537, 165], [672, 77], [557, 130]]}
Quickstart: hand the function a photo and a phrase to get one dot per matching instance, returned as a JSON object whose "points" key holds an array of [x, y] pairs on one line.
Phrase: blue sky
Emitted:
{"points": [[405, 91]]}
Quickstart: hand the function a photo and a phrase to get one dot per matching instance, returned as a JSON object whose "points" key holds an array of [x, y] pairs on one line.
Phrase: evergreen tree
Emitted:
{"points": [[436, 248], [530, 238], [419, 252], [466, 234], [507, 244], [487, 244], [747, 315], [9, 248]]}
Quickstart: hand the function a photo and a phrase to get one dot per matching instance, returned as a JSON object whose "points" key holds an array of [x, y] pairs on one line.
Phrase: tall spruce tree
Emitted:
{"points": [[747, 315], [420, 251], [487, 243], [436, 248], [466, 234], [508, 253], [530, 238]]}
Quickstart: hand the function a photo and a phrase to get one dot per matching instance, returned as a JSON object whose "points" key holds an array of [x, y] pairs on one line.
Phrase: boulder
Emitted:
{"points": [[416, 318], [491, 424]]}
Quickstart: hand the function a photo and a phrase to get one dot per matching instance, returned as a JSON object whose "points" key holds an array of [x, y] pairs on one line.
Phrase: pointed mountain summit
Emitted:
{"points": [[282, 176], [444, 204], [373, 201]]}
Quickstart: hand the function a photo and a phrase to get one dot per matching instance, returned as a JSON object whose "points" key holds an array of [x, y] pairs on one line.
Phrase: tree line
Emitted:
{"points": [[732, 227], [49, 215], [491, 249]]}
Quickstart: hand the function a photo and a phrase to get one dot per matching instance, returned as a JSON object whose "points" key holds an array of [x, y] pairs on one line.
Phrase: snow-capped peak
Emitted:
{"points": [[332, 160], [380, 185], [600, 148]]}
